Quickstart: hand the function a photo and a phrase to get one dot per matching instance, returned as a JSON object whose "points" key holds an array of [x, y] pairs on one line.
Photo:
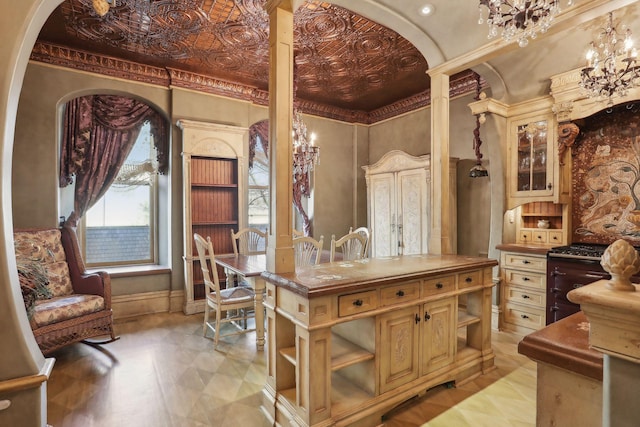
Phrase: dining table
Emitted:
{"points": [[249, 268]]}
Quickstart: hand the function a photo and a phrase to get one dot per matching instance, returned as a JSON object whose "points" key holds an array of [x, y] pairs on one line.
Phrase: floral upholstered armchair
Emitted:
{"points": [[64, 303]]}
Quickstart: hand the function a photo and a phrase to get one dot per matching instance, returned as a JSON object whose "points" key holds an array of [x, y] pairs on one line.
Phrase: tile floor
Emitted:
{"points": [[162, 372]]}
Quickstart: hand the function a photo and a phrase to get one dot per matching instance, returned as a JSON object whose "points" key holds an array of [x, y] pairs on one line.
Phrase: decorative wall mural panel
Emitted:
{"points": [[606, 177]]}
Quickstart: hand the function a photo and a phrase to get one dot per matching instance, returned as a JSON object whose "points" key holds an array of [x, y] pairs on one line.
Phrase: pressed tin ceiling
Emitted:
{"points": [[344, 62]]}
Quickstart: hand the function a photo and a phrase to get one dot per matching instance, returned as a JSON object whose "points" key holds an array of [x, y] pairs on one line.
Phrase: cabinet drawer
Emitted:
{"points": [[525, 236], [555, 237], [527, 262], [525, 278], [357, 303], [439, 285], [469, 279], [524, 316], [525, 296], [400, 293], [540, 236]]}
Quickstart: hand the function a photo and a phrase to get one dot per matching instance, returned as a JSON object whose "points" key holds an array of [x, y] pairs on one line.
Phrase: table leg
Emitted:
{"points": [[259, 287]]}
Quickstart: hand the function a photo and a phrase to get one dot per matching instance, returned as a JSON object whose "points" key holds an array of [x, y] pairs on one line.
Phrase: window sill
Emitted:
{"points": [[133, 270]]}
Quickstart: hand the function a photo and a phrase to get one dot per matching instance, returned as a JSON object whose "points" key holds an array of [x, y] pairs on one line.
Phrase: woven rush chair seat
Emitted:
{"points": [[65, 304]]}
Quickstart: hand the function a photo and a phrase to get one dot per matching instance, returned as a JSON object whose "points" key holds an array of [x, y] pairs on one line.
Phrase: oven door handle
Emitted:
{"points": [[595, 276]]}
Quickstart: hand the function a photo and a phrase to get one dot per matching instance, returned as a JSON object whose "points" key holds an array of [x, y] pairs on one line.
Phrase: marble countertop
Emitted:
{"points": [[565, 344], [352, 276], [527, 248]]}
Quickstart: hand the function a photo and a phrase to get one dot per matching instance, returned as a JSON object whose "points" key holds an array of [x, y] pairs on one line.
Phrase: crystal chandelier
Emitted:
{"points": [[611, 69], [306, 155], [519, 19]]}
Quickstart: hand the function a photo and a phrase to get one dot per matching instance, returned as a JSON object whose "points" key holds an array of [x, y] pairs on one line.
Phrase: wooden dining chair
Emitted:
{"points": [[249, 241], [238, 302], [307, 250], [352, 246], [364, 232]]}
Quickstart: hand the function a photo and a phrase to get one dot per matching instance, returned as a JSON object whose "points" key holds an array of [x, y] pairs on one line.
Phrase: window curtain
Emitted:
{"points": [[99, 132], [301, 181]]}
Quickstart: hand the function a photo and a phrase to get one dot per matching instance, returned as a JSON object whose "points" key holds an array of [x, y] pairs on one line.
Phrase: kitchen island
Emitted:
{"points": [[348, 341]]}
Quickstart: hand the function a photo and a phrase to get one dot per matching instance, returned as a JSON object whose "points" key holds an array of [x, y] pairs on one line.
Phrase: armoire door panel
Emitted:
{"points": [[411, 210], [383, 216]]}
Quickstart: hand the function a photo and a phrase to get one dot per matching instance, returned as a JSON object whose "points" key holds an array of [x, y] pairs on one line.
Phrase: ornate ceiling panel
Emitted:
{"points": [[342, 59]]}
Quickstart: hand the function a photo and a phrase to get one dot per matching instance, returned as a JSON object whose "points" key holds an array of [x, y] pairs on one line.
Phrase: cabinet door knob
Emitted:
{"points": [[468, 280], [417, 319], [427, 316], [400, 293], [439, 285], [357, 302], [549, 186]]}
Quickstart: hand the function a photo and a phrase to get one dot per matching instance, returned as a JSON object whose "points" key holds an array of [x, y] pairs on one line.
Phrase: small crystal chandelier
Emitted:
{"points": [[611, 69], [306, 155], [519, 19]]}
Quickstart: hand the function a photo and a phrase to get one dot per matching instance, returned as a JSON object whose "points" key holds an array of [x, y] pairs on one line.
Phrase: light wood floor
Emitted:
{"points": [[162, 372]]}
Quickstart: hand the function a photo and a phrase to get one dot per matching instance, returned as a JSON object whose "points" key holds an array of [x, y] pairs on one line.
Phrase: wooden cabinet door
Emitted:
{"points": [[412, 207], [398, 350], [383, 215], [438, 334]]}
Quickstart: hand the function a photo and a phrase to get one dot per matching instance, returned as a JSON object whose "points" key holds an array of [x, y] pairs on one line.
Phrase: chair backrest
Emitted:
{"points": [[351, 244], [205, 253], [307, 250], [249, 241], [364, 232], [297, 233]]}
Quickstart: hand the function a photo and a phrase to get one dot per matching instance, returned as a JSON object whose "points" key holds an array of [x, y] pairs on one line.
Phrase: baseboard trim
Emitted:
{"points": [[139, 304], [495, 317]]}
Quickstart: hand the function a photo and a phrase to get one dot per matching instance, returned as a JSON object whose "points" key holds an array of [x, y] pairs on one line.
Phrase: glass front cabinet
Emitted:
{"points": [[534, 172]]}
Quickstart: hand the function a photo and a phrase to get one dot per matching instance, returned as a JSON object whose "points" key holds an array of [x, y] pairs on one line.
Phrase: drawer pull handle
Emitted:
{"points": [[357, 303], [439, 285], [468, 280], [400, 293], [417, 319], [526, 279], [427, 316], [524, 316], [525, 296], [526, 261]]}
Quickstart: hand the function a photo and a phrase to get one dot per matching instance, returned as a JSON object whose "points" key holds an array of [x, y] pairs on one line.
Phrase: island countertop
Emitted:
{"points": [[347, 276]]}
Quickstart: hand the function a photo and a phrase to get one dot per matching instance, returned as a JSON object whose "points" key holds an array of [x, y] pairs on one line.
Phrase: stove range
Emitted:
{"points": [[578, 251]]}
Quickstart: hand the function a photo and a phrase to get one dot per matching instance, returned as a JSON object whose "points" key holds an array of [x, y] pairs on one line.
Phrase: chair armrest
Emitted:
{"points": [[98, 283]]}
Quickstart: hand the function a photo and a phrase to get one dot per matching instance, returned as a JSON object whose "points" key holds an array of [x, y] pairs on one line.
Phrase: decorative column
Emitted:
{"points": [[280, 257], [613, 309], [440, 236]]}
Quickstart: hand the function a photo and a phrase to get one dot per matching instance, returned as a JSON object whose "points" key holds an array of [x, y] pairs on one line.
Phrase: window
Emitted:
{"points": [[120, 228], [258, 189]]}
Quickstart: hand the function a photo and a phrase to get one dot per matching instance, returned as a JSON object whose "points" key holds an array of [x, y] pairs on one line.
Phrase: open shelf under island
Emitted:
{"points": [[349, 341]]}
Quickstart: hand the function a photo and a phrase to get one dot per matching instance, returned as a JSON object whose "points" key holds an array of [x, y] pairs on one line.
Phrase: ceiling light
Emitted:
{"points": [[519, 19], [427, 9], [611, 65]]}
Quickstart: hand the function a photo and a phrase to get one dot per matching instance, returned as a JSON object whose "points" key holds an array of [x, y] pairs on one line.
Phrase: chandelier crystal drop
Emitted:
{"points": [[519, 19], [611, 64], [306, 155]]}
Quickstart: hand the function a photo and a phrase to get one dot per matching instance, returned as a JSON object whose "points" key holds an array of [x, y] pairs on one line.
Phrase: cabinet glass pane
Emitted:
{"points": [[532, 156]]}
